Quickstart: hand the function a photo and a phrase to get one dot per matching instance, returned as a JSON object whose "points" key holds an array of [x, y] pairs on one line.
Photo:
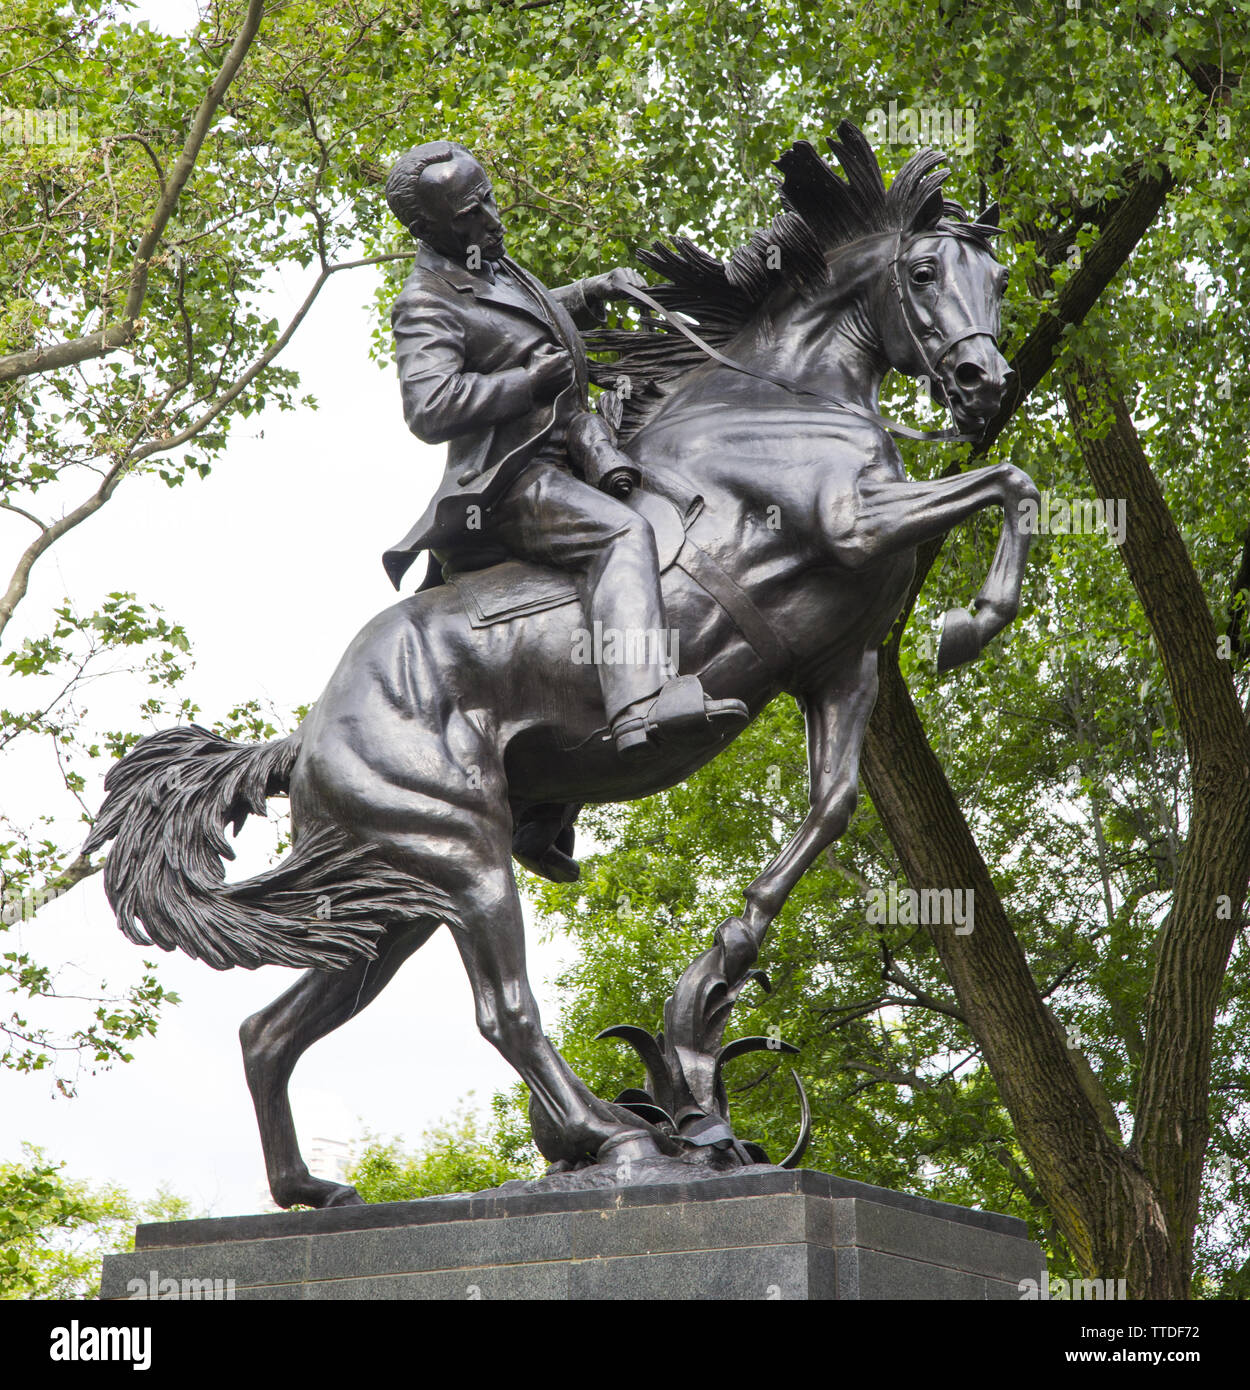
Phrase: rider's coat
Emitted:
{"points": [[461, 342]]}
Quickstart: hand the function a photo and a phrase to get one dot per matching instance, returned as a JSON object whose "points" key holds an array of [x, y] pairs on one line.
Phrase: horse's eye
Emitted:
{"points": [[922, 275]]}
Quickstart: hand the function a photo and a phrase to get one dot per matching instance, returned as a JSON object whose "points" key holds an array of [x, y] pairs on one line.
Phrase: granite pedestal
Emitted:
{"points": [[763, 1235]]}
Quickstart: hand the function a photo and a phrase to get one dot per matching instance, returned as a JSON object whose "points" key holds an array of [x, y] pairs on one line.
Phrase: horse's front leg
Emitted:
{"points": [[836, 715], [892, 516]]}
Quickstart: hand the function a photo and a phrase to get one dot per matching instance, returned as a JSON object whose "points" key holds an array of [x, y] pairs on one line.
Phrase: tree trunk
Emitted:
{"points": [[1126, 1212], [1100, 1197], [1196, 938]]}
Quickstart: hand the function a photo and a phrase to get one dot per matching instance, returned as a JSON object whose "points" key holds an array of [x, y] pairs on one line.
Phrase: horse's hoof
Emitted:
{"points": [[960, 642], [317, 1193], [630, 1146], [344, 1196]]}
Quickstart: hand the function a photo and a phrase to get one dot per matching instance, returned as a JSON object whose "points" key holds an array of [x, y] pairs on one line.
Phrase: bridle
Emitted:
{"points": [[973, 330], [894, 427]]}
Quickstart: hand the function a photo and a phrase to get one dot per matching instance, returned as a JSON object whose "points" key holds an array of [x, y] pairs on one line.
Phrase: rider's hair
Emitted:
{"points": [[403, 191]]}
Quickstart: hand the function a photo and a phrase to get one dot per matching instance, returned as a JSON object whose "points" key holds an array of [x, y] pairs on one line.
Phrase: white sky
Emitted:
{"points": [[272, 564]]}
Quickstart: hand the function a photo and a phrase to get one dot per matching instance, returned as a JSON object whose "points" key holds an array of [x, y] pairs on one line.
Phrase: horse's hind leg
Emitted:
{"points": [[570, 1123], [277, 1036]]}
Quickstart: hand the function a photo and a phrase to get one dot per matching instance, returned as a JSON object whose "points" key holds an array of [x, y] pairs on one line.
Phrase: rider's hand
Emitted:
{"points": [[550, 371], [615, 284]]}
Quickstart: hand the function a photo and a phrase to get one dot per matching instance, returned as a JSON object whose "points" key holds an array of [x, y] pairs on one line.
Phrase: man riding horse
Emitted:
{"points": [[406, 776], [491, 362]]}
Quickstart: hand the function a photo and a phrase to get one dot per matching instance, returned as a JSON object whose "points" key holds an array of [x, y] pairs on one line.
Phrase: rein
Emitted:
{"points": [[894, 427]]}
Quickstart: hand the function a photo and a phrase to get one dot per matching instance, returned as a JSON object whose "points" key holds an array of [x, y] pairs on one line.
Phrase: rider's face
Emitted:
{"points": [[470, 217]]}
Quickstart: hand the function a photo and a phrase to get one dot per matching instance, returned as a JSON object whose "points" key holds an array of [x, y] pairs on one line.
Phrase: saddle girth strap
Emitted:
{"points": [[744, 615]]}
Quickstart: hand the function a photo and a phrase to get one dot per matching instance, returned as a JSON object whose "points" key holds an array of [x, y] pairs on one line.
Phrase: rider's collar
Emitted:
{"points": [[451, 270]]}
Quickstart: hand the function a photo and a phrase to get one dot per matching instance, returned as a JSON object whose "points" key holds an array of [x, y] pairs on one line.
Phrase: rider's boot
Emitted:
{"points": [[543, 843], [681, 714]]}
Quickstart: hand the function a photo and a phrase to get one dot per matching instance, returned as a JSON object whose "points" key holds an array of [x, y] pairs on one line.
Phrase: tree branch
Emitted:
{"points": [[1196, 938], [156, 163], [118, 334], [20, 578]]}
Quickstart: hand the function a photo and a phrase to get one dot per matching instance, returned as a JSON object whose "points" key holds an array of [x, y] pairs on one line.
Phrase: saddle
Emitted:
{"points": [[507, 590]]}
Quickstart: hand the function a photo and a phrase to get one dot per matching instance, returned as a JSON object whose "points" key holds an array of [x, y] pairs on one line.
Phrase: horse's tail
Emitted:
{"points": [[166, 807]]}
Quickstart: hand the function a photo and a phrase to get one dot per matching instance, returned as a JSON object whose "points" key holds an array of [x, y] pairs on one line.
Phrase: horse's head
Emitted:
{"points": [[852, 278], [939, 315]]}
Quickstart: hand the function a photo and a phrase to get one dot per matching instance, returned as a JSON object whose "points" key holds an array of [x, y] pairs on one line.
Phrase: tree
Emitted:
{"points": [[54, 1231], [458, 1155], [1125, 660], [136, 331], [1106, 837]]}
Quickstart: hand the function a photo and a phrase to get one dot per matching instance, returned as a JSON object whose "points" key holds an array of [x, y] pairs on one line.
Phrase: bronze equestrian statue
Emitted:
{"points": [[785, 533]]}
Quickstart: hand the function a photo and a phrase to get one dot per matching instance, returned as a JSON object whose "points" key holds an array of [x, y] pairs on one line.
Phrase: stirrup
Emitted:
{"points": [[680, 713]]}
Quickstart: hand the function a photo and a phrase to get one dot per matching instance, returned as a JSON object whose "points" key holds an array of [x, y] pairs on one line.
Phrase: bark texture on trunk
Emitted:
{"points": [[1128, 1211]]}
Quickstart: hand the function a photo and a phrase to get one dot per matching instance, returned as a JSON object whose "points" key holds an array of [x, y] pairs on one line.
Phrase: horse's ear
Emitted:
{"points": [[989, 218], [928, 213]]}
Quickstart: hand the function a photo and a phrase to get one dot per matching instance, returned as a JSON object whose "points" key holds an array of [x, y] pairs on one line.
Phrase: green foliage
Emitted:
{"points": [[1061, 743], [458, 1155], [897, 1096], [288, 177], [54, 1231]]}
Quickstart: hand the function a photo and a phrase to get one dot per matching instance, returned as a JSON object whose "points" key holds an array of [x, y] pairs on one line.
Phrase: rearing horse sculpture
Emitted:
{"points": [[789, 557]]}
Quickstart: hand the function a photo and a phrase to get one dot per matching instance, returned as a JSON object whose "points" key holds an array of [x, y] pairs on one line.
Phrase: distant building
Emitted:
{"points": [[327, 1158]]}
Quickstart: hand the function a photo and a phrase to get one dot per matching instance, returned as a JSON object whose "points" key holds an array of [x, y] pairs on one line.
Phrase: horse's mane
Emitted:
{"points": [[820, 211]]}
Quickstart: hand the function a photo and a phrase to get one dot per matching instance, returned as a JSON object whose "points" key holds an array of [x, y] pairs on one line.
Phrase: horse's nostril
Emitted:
{"points": [[968, 374]]}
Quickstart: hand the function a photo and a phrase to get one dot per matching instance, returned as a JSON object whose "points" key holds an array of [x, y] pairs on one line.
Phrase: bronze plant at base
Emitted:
{"points": [[686, 1096]]}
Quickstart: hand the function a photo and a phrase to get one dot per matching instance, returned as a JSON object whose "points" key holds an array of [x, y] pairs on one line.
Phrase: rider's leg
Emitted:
{"points": [[552, 517]]}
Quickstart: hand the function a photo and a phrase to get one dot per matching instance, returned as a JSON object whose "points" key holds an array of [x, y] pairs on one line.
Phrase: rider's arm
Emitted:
{"points": [[441, 399], [585, 299]]}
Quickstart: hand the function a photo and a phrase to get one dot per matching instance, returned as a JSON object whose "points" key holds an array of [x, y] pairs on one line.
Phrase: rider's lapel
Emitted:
{"points": [[522, 301]]}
